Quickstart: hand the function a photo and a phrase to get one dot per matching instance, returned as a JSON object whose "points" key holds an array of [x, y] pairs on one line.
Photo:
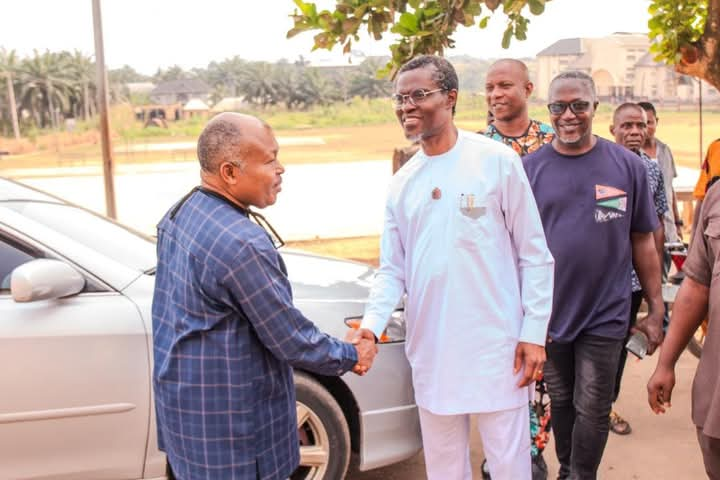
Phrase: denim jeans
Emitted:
{"points": [[580, 376]]}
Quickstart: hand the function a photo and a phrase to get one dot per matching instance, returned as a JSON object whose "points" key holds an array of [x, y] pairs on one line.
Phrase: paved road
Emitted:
{"points": [[318, 200], [659, 448]]}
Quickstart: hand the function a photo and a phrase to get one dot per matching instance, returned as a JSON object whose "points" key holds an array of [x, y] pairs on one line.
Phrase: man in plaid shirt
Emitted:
{"points": [[226, 334]]}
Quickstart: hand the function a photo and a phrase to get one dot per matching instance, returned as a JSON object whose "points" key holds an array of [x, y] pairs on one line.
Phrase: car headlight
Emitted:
{"points": [[394, 331]]}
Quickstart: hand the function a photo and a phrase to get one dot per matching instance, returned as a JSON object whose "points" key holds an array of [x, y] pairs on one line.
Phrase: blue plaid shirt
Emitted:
{"points": [[225, 338], [657, 190]]}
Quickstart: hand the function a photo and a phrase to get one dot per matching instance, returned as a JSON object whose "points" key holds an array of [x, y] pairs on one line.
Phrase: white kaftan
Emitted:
{"points": [[464, 240]]}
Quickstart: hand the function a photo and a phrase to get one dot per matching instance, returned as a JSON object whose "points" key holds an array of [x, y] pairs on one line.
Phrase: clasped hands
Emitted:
{"points": [[364, 341]]}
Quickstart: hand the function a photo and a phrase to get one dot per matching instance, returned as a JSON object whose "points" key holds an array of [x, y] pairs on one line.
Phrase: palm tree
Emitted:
{"points": [[258, 85], [8, 65], [45, 86], [365, 82], [81, 71]]}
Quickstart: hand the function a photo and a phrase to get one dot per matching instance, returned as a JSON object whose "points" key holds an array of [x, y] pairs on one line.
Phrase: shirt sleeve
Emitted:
{"points": [[535, 262], [389, 283], [644, 218], [698, 265], [262, 290], [659, 197]]}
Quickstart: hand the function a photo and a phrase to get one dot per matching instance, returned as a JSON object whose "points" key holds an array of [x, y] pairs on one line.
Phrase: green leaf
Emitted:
{"points": [[484, 22], [537, 7], [409, 22], [507, 36]]}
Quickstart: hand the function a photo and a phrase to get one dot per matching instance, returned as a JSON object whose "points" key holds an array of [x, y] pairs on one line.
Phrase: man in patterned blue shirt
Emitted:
{"points": [[225, 332], [629, 127]]}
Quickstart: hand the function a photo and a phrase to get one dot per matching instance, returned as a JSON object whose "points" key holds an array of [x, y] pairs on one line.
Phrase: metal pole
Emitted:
{"points": [[700, 115], [102, 87]]}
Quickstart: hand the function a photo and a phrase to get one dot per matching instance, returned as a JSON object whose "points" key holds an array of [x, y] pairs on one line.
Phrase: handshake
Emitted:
{"points": [[364, 342]]}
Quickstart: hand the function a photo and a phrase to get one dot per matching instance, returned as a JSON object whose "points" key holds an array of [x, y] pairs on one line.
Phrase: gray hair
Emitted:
{"points": [[626, 106], [444, 74], [577, 75], [219, 141]]}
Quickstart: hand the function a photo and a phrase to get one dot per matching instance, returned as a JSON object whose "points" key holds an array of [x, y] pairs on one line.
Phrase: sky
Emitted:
{"points": [[152, 34]]}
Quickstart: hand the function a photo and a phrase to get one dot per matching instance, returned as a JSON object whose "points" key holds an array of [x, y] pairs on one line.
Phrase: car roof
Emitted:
{"points": [[12, 190]]}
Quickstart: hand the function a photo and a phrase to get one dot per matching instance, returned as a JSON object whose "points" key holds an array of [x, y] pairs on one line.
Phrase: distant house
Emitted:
{"points": [[180, 91], [230, 104], [140, 87], [621, 66], [195, 108]]}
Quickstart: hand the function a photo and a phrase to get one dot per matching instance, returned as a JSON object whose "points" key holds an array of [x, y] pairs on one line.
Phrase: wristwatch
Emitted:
{"points": [[679, 222]]}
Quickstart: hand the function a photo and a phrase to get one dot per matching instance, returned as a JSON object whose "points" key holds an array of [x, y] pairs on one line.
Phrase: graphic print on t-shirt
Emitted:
{"points": [[610, 203]]}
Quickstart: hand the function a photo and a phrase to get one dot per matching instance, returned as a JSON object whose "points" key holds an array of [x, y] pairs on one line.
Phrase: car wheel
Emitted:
{"points": [[323, 431]]}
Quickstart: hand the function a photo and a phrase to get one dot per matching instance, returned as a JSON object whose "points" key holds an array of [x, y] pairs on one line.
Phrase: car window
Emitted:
{"points": [[11, 256], [91, 230]]}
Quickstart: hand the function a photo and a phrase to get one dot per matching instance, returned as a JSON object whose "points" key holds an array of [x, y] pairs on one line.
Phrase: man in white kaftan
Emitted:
{"points": [[463, 239]]}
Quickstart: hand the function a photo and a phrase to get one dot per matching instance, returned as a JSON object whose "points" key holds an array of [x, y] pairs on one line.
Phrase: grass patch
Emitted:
{"points": [[359, 249]]}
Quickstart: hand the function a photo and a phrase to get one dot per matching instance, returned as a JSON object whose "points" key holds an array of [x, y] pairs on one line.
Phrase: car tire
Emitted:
{"points": [[323, 431]]}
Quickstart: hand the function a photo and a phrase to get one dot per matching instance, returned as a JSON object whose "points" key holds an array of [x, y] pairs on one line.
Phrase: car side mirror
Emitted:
{"points": [[44, 279]]}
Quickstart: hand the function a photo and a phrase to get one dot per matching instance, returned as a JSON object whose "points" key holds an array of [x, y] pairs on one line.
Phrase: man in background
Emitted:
{"points": [[507, 90], [629, 127]]}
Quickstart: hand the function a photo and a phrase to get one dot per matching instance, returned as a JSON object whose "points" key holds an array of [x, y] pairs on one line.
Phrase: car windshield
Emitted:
{"points": [[93, 231]]}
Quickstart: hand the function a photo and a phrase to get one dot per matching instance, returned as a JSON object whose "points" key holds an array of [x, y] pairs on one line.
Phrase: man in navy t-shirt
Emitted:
{"points": [[598, 215]]}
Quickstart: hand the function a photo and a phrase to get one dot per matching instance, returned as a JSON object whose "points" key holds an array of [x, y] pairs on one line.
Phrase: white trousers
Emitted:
{"points": [[505, 437]]}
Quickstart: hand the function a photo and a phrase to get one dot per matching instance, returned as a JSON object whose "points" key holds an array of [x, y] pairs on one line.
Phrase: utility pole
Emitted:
{"points": [[103, 104], [13, 106], [700, 115]]}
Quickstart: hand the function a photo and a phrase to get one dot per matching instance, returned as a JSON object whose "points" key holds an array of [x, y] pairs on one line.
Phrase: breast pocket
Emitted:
{"points": [[712, 232], [474, 220]]}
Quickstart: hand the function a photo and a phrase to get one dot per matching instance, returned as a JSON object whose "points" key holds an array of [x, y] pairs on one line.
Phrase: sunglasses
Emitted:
{"points": [[414, 97], [577, 107]]}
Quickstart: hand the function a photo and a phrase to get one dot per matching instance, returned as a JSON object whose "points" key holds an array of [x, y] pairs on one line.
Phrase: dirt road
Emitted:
{"points": [[659, 448]]}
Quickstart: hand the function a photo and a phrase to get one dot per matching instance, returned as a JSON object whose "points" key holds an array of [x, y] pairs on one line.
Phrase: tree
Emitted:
{"points": [[9, 65], [45, 86], [365, 82], [685, 33]]}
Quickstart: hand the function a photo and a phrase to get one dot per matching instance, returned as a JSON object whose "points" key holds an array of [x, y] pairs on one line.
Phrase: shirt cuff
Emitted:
{"points": [[350, 358], [374, 324], [534, 332]]}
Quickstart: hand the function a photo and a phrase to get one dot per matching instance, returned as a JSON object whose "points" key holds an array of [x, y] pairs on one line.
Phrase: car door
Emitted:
{"points": [[74, 374]]}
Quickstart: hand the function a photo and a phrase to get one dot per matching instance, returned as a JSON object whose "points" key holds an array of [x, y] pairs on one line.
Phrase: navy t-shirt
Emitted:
{"points": [[589, 205]]}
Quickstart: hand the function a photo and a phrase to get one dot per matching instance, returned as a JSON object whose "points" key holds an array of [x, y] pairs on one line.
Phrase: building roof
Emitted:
{"points": [[566, 46], [185, 85], [196, 105], [231, 104]]}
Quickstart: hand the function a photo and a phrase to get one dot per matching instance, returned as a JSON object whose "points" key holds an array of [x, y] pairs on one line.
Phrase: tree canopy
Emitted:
{"points": [[684, 34]]}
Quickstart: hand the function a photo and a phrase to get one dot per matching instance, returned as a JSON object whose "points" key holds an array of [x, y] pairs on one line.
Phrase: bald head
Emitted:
{"points": [[226, 137], [518, 68]]}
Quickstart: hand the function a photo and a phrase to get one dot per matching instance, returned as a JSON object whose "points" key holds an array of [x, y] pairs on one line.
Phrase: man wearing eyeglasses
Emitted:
{"points": [[597, 212], [463, 239], [225, 331]]}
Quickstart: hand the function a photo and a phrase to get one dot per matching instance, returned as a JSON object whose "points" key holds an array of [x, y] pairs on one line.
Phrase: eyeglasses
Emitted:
{"points": [[577, 107], [414, 97], [265, 225]]}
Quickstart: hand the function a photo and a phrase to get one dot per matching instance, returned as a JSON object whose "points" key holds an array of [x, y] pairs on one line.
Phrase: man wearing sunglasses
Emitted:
{"points": [[599, 219], [463, 239], [225, 331]]}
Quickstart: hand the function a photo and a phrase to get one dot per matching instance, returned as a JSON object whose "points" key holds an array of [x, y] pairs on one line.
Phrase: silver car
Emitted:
{"points": [[76, 354]]}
